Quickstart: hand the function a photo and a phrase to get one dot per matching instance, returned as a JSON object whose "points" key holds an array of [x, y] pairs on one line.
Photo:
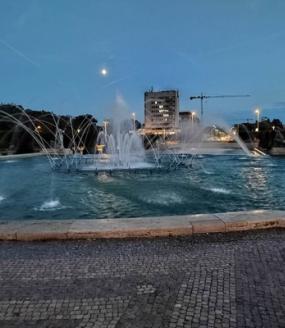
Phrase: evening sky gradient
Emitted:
{"points": [[52, 53]]}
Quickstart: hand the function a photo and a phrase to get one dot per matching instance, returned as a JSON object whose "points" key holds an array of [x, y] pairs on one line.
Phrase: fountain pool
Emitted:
{"points": [[29, 189]]}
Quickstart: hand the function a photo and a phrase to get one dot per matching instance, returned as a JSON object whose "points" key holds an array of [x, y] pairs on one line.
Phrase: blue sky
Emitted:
{"points": [[52, 53]]}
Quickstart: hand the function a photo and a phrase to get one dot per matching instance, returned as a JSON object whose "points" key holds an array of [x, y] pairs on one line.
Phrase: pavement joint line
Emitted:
{"points": [[180, 225]]}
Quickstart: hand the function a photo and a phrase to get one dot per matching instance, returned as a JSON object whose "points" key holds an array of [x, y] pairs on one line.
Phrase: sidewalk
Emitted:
{"points": [[216, 280]]}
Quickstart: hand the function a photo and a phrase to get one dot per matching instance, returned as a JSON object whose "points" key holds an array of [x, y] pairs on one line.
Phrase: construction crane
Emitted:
{"points": [[202, 97]]}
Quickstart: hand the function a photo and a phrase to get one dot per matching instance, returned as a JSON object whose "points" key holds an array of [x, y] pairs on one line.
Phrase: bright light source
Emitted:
{"points": [[257, 111], [78, 130], [104, 71], [160, 106]]}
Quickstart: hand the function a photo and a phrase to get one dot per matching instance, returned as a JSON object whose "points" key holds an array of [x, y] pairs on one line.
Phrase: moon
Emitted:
{"points": [[103, 72]]}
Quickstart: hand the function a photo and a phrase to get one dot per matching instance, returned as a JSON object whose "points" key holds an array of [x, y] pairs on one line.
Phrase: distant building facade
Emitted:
{"points": [[161, 110]]}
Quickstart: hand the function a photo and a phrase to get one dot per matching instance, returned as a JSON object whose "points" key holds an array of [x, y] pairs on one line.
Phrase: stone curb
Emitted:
{"points": [[183, 225]]}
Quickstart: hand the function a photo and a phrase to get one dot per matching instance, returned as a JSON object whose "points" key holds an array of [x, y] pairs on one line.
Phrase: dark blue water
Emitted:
{"points": [[30, 190]]}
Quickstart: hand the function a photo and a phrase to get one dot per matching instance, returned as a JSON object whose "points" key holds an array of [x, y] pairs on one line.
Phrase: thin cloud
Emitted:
{"points": [[19, 53], [116, 81]]}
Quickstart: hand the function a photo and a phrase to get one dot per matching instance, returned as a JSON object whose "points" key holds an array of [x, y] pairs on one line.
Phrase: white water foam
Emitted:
{"points": [[208, 172], [1, 198], [104, 177], [219, 190], [50, 205], [165, 198]]}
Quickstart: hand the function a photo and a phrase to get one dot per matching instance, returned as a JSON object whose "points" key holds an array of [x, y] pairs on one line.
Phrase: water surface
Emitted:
{"points": [[30, 190]]}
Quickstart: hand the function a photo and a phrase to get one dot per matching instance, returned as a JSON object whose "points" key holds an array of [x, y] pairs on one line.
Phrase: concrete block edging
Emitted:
{"points": [[183, 225]]}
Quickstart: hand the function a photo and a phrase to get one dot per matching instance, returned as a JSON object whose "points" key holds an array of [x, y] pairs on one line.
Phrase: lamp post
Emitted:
{"points": [[257, 112]]}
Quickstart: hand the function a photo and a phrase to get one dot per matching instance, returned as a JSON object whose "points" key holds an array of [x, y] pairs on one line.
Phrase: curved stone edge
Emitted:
{"points": [[183, 225]]}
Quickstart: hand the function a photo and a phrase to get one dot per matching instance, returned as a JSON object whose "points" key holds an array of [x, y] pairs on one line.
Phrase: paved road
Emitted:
{"points": [[230, 280]]}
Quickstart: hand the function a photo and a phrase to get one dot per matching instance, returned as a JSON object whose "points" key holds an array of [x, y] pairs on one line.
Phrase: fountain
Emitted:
{"points": [[117, 147], [117, 171], [212, 139], [82, 146]]}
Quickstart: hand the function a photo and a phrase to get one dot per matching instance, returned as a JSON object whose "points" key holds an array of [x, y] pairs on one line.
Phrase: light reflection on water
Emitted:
{"points": [[215, 184]]}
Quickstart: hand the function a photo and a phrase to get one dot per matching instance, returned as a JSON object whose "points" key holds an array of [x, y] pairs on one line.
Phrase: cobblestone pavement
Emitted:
{"points": [[221, 280]]}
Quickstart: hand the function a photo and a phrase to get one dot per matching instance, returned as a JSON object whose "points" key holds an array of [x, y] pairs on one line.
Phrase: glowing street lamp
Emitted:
{"points": [[38, 128], [257, 112]]}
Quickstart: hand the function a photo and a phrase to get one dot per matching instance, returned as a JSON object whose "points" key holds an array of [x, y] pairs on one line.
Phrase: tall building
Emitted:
{"points": [[161, 110]]}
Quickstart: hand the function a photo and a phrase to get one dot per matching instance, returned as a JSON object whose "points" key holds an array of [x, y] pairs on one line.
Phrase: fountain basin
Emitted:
{"points": [[142, 227], [29, 189]]}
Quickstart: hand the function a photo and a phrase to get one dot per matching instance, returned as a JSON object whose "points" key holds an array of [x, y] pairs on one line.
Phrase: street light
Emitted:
{"points": [[38, 129], [257, 112]]}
